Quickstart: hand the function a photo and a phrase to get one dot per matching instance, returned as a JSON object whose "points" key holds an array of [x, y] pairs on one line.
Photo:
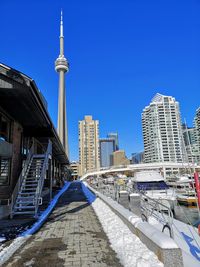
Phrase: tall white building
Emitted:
{"points": [[162, 132], [89, 155]]}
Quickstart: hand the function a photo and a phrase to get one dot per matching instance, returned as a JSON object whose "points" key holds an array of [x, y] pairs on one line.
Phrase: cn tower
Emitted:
{"points": [[62, 66]]}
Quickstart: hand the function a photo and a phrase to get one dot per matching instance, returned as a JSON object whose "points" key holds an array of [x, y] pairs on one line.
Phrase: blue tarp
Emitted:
{"points": [[89, 195]]}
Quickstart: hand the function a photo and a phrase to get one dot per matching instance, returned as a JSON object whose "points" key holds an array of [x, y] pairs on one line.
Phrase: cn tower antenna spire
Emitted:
{"points": [[62, 66], [61, 24], [61, 35]]}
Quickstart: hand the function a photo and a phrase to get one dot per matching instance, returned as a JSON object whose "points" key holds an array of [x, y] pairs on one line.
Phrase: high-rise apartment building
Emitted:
{"points": [[197, 125], [191, 143], [74, 167], [107, 147], [197, 132], [89, 157], [162, 132]]}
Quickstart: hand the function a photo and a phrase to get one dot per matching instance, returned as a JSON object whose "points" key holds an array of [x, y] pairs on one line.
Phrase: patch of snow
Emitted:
{"points": [[7, 252], [2, 239], [130, 250], [134, 195], [30, 263], [1, 247]]}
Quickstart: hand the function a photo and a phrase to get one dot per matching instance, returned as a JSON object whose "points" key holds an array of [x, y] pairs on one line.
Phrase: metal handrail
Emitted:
{"points": [[154, 208], [42, 176], [21, 178]]}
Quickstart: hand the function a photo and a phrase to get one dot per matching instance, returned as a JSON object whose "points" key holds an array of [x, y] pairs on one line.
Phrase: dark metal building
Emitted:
{"points": [[27, 134]]}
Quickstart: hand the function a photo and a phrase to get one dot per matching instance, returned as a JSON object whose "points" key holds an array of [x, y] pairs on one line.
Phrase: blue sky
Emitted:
{"points": [[121, 52]]}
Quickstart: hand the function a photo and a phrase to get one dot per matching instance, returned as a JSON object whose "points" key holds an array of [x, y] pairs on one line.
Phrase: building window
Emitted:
{"points": [[4, 128], [4, 171]]}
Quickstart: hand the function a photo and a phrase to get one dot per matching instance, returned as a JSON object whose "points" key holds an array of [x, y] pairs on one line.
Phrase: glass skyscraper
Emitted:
{"points": [[114, 136], [107, 147]]}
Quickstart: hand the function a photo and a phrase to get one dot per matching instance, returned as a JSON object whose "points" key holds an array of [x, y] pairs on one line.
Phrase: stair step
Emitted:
{"points": [[24, 207], [34, 171], [34, 163], [38, 164], [33, 175], [28, 183], [35, 168], [24, 212], [32, 178], [28, 193], [25, 199], [27, 188], [24, 202], [31, 182]]}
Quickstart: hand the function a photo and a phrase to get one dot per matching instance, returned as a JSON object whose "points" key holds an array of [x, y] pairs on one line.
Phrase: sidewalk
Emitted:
{"points": [[72, 236]]}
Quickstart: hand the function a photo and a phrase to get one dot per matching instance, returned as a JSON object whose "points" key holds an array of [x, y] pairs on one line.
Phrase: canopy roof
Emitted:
{"points": [[22, 100]]}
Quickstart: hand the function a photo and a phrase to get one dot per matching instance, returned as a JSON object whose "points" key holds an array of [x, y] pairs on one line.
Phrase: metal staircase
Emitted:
{"points": [[27, 193]]}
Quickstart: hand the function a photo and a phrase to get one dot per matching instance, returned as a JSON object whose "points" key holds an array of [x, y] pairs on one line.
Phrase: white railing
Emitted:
{"points": [[155, 208], [138, 167], [42, 176], [148, 207], [21, 178]]}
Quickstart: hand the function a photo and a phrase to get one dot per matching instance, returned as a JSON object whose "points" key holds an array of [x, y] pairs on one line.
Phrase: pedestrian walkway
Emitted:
{"points": [[72, 236]]}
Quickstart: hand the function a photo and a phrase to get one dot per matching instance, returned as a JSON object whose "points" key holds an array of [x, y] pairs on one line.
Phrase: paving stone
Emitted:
{"points": [[72, 236]]}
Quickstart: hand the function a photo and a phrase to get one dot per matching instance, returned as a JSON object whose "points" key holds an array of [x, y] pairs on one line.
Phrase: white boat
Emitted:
{"points": [[187, 200], [154, 186], [185, 191]]}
